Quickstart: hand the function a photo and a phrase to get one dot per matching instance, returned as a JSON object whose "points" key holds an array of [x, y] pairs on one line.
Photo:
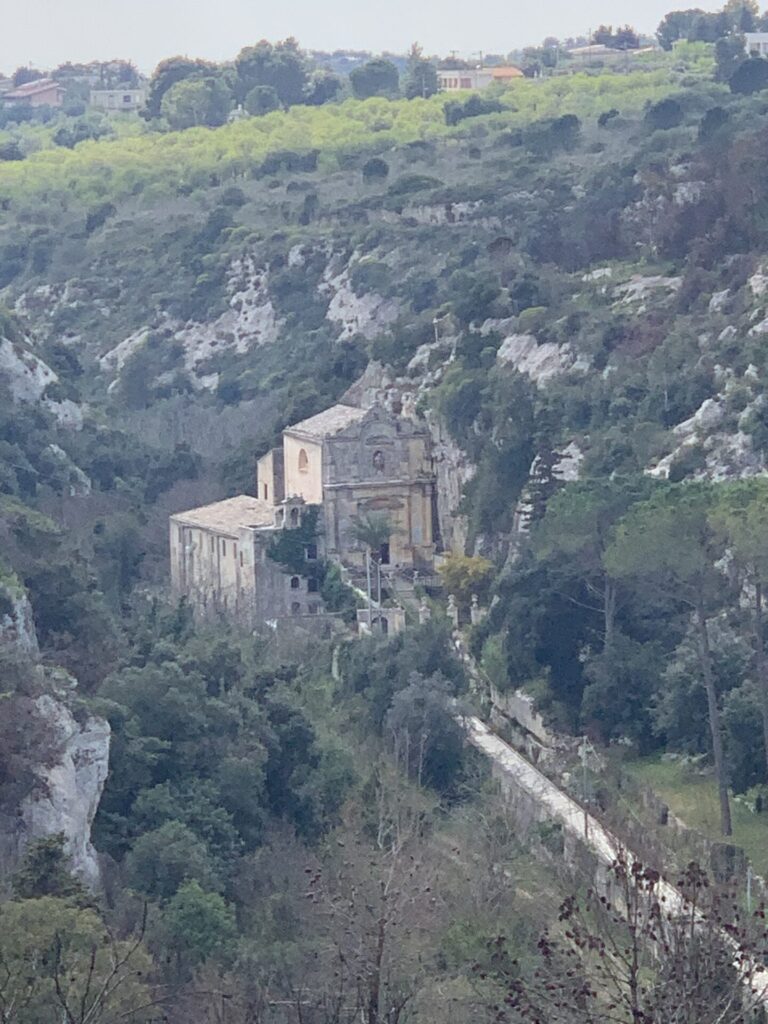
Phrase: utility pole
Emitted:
{"points": [[584, 752], [368, 588]]}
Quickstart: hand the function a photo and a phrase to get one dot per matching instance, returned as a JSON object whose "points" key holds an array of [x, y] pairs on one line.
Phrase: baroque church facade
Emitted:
{"points": [[339, 466]]}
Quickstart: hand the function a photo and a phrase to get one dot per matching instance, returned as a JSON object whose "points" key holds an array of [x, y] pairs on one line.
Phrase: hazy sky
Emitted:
{"points": [[48, 32]]}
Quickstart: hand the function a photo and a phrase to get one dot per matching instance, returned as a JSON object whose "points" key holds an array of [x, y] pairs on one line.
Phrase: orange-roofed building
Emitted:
{"points": [[43, 92], [506, 74]]}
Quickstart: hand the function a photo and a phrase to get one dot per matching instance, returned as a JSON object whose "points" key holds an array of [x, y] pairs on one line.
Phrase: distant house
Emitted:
{"points": [[118, 99], [756, 44], [455, 79], [43, 92]]}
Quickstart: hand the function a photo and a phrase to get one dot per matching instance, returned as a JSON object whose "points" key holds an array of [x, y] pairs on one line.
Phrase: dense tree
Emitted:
{"points": [[375, 78], [59, 962], [668, 541], [465, 575], [625, 38], [196, 925], [24, 75], [421, 75], [282, 67], [47, 871], [197, 101], [750, 76], [167, 74], [741, 513], [425, 737]]}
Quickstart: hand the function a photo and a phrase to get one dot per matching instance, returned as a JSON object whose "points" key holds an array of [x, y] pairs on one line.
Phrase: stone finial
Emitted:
{"points": [[453, 611], [425, 612]]}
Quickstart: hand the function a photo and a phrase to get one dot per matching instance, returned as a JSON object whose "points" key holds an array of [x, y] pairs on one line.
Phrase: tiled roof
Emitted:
{"points": [[329, 422], [30, 88], [230, 515]]}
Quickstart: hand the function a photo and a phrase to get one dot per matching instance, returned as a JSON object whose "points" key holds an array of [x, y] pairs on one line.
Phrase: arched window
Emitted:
{"points": [[303, 461], [378, 461], [266, 492], [294, 517], [295, 608], [295, 582]]}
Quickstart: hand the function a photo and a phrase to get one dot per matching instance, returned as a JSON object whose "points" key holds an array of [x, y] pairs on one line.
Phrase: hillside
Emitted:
{"points": [[567, 280]]}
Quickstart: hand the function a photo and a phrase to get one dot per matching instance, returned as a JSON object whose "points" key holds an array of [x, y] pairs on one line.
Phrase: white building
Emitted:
{"points": [[118, 99], [456, 79], [756, 44]]}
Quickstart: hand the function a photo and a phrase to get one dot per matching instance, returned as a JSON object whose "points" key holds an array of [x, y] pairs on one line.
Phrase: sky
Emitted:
{"points": [[45, 33]]}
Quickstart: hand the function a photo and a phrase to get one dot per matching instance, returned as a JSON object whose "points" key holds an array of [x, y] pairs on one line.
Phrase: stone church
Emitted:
{"points": [[341, 465]]}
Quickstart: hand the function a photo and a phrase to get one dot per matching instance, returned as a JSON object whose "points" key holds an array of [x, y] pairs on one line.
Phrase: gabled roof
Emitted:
{"points": [[329, 422], [230, 515], [31, 89]]}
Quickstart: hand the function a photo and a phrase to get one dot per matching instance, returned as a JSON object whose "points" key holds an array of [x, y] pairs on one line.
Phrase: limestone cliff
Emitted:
{"points": [[69, 791], [69, 775]]}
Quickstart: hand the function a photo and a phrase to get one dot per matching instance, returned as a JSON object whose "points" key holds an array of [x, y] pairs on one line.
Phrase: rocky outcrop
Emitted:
{"points": [[540, 362], [70, 777], [249, 321], [366, 315], [16, 624], [33, 382], [68, 795], [453, 471]]}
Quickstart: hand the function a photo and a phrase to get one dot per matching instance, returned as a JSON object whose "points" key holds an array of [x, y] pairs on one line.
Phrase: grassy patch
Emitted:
{"points": [[693, 798]]}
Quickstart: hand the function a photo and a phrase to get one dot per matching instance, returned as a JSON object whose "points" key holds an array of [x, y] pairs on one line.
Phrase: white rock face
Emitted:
{"points": [[688, 192], [367, 315], [113, 361], [79, 481], [638, 287], [28, 377], [758, 283], [539, 362], [718, 300], [600, 274], [727, 456], [68, 792], [249, 322], [17, 627], [442, 213], [71, 789], [453, 471]]}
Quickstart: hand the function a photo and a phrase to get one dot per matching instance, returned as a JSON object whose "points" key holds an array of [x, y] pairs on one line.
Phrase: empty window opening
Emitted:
{"points": [[311, 552], [266, 492], [313, 586], [295, 582], [378, 462], [303, 461], [223, 547], [294, 517], [295, 608], [384, 553]]}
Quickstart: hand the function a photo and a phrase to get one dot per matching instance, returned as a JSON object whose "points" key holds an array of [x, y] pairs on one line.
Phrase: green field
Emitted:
{"points": [[693, 798]]}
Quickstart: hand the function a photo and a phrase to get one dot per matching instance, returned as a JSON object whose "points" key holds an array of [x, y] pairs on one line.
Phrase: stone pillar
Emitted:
{"points": [[453, 611], [425, 612], [476, 613]]}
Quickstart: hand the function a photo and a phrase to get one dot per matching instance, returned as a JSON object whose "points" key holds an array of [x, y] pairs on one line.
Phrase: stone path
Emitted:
{"points": [[560, 807]]}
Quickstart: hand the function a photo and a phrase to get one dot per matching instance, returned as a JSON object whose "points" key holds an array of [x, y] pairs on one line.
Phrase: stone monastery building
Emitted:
{"points": [[332, 470]]}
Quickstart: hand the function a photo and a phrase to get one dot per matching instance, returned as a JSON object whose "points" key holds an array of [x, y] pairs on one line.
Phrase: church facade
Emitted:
{"points": [[339, 467]]}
